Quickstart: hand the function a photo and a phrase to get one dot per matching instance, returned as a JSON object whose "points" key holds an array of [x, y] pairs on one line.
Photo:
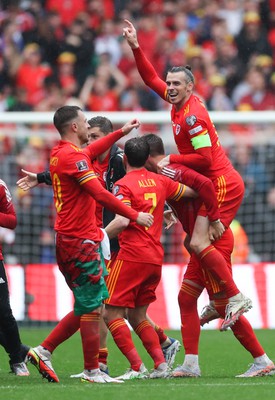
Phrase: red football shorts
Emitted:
{"points": [[132, 284], [230, 191]]}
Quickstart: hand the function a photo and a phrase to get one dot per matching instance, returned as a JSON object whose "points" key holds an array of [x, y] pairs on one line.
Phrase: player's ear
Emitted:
{"points": [[74, 126], [190, 86], [125, 160]]}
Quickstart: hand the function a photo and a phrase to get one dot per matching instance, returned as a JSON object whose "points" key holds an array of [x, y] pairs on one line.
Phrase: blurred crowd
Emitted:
{"points": [[56, 51]]}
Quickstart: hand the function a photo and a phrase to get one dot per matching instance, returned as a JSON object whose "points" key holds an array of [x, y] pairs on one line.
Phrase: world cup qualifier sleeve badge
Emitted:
{"points": [[82, 165], [191, 120]]}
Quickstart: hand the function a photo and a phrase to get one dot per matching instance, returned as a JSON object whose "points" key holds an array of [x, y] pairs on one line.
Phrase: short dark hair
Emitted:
{"points": [[103, 123], [186, 70], [156, 146], [137, 152], [63, 116]]}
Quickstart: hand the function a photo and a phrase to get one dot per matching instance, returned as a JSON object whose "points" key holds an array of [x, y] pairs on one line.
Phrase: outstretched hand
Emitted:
{"points": [[129, 126], [27, 182], [130, 34], [169, 219], [163, 163]]}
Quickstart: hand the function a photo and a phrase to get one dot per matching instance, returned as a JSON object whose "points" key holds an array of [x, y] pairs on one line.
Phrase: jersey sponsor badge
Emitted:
{"points": [[82, 165], [191, 120], [195, 130]]}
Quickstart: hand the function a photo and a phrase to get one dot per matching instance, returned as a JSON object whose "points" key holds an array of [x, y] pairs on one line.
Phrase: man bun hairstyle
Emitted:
{"points": [[187, 70]]}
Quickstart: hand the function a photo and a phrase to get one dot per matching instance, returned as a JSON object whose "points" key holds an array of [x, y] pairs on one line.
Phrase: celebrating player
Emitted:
{"points": [[136, 272], [78, 251], [199, 147], [196, 279]]}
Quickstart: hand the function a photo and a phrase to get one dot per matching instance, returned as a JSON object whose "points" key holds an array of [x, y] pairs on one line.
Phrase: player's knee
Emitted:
{"points": [[198, 244], [186, 301], [105, 316]]}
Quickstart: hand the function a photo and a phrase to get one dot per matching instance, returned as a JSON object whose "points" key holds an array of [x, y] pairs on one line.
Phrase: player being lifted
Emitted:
{"points": [[199, 147]]}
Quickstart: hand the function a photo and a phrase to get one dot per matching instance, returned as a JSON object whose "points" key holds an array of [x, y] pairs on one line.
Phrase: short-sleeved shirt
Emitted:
{"points": [[70, 168], [145, 191]]}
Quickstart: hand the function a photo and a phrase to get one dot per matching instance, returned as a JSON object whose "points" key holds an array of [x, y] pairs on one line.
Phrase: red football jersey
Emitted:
{"points": [[191, 121], [76, 190], [145, 191], [70, 167]]}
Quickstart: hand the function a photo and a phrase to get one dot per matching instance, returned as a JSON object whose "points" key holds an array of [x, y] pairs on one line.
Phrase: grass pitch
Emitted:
{"points": [[221, 358]]}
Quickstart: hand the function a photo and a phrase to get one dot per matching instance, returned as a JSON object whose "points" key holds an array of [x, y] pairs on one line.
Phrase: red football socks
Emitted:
{"points": [[123, 339], [63, 330]]}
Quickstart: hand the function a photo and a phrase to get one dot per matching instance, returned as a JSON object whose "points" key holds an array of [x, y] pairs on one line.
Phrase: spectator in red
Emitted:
{"points": [[259, 98], [68, 9], [32, 72], [66, 73], [127, 61], [102, 92], [95, 9], [148, 35]]}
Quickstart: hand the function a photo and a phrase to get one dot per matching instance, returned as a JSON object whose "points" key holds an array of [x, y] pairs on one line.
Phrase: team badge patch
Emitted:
{"points": [[177, 129], [82, 165], [191, 120]]}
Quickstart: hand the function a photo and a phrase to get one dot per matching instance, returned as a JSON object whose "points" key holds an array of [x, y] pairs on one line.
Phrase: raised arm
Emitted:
{"points": [[104, 143], [145, 68]]}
